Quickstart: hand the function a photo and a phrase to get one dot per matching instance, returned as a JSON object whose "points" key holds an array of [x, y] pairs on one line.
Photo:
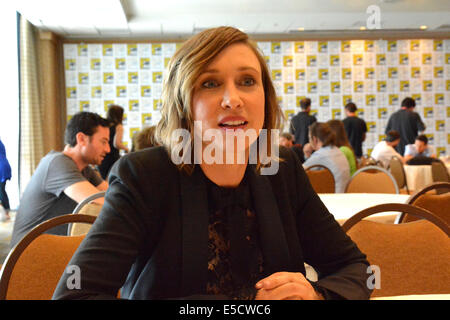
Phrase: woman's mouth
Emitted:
{"points": [[233, 124]]}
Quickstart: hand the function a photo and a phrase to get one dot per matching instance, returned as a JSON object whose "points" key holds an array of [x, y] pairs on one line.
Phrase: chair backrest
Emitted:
{"points": [[34, 266], [411, 258], [398, 172], [78, 229], [372, 179], [438, 203], [87, 200], [439, 172], [321, 178]]}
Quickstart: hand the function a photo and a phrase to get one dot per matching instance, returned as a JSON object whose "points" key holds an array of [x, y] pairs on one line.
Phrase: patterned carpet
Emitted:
{"points": [[5, 236]]}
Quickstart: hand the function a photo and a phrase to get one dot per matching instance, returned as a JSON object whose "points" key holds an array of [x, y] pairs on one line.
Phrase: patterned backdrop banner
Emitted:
{"points": [[374, 74]]}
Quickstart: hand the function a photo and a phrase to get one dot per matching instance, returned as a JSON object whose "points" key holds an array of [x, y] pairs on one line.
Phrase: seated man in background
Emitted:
{"points": [[419, 148], [384, 150], [62, 179], [287, 140]]}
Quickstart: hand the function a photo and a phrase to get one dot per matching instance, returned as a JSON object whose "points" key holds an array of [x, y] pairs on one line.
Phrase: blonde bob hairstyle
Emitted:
{"points": [[183, 70]]}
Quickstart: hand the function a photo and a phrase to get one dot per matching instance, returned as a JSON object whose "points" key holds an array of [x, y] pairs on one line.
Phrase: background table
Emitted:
{"points": [[418, 177], [344, 205]]}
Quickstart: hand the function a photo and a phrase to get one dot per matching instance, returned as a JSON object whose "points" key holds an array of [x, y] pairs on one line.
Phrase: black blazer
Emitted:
{"points": [[151, 236]]}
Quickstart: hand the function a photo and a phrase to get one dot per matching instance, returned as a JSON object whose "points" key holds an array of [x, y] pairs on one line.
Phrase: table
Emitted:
{"points": [[416, 297], [344, 205], [418, 177]]}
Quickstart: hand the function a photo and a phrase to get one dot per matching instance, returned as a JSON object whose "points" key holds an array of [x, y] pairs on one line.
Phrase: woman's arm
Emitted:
{"points": [[118, 139], [124, 225]]}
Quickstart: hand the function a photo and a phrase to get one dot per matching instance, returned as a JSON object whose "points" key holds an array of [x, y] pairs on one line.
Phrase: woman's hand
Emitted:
{"points": [[307, 150], [286, 286]]}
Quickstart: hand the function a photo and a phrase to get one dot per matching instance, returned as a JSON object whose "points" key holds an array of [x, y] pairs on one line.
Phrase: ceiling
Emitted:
{"points": [[102, 19]]}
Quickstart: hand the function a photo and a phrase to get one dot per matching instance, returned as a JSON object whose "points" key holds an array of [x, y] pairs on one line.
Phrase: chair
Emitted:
{"points": [[439, 172], [438, 203], [372, 179], [321, 178], [398, 172], [88, 208], [34, 266], [411, 258]]}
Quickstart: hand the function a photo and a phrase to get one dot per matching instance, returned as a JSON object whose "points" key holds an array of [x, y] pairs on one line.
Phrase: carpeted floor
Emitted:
{"points": [[5, 236]]}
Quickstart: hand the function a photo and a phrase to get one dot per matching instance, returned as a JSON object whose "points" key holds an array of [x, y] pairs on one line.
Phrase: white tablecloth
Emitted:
{"points": [[418, 177], [344, 205]]}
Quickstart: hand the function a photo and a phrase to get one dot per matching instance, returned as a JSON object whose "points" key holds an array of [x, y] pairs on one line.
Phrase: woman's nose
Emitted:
{"points": [[231, 97]]}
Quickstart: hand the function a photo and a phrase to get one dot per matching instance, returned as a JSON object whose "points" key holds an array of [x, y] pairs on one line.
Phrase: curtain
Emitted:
{"points": [[31, 113]]}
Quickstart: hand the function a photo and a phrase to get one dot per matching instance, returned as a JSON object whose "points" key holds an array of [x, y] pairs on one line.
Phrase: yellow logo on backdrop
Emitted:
{"points": [[440, 125], [83, 78], [371, 126], [392, 46], [448, 85], [157, 104], [357, 59], [447, 58], [415, 72], [71, 64], [358, 86], [312, 87], [381, 86], [299, 47], [415, 45], [156, 49], [107, 50], [276, 75], [121, 91], [334, 60], [336, 113], [322, 46], [427, 85], [299, 74], [133, 77], [346, 99], [370, 73], [289, 114], [428, 112], [393, 99], [440, 152], [120, 63], [108, 77], [392, 73], [96, 64], [298, 99], [166, 62], [335, 87], [418, 98], [132, 49], [288, 88], [404, 58], [430, 137], [133, 131], [369, 46], [144, 63], [146, 91], [157, 77], [370, 99], [84, 105], [311, 60], [96, 92], [82, 50], [438, 45], [288, 61], [381, 59], [404, 85], [324, 101], [275, 47], [107, 104], [71, 92], [426, 58], [382, 113], [323, 74], [346, 46], [439, 98], [133, 105], [146, 119], [438, 72], [346, 73]]}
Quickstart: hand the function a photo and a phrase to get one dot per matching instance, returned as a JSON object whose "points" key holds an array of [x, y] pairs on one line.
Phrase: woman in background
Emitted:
{"points": [[115, 117], [323, 141], [343, 144], [5, 174]]}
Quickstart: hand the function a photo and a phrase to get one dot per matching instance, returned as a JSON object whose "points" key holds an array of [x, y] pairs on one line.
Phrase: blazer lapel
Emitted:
{"points": [[272, 237], [194, 219]]}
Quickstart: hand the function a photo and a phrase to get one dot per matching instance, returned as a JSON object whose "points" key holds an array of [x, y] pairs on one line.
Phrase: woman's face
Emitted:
{"points": [[229, 94]]}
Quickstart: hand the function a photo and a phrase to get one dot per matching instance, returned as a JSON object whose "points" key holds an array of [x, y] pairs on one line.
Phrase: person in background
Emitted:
{"points": [[63, 179], [144, 138], [323, 142], [355, 128], [384, 150], [115, 118], [215, 230], [5, 175], [343, 144], [301, 122], [287, 140], [407, 123], [419, 148]]}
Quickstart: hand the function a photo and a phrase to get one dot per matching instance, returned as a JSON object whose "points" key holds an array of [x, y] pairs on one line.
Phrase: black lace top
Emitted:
{"points": [[235, 258]]}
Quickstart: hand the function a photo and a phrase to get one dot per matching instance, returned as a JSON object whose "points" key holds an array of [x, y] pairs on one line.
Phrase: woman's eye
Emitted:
{"points": [[248, 82], [210, 84]]}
